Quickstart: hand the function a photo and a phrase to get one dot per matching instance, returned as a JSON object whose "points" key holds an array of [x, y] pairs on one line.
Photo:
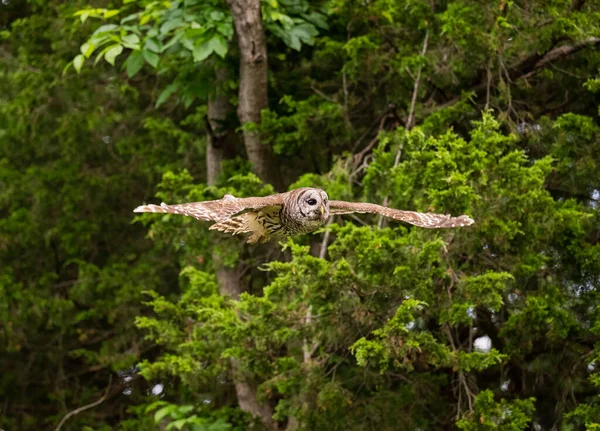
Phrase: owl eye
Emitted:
{"points": [[311, 201]]}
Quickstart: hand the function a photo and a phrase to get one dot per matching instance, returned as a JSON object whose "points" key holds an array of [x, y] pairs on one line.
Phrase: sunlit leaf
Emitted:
{"points": [[131, 41], [161, 413], [111, 13], [78, 62], [112, 52], [87, 49], [105, 29]]}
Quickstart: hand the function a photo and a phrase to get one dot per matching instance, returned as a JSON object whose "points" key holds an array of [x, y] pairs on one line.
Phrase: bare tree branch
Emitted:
{"points": [[526, 68], [89, 406]]}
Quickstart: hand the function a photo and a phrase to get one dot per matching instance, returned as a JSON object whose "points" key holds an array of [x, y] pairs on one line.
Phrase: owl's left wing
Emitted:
{"points": [[217, 210], [428, 220]]}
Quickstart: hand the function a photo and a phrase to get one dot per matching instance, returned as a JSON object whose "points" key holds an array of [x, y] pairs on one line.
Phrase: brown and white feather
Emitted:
{"points": [[427, 220], [217, 210]]}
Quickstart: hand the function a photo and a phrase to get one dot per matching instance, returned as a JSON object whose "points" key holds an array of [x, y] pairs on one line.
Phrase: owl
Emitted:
{"points": [[296, 212]]}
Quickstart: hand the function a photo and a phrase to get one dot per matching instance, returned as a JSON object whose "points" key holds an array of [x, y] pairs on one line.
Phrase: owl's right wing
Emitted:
{"points": [[217, 210], [428, 220]]}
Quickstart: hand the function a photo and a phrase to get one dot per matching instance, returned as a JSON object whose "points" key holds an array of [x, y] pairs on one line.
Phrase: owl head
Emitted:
{"points": [[312, 204]]}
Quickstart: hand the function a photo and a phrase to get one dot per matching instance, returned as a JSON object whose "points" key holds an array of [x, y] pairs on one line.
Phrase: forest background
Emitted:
{"points": [[109, 320]]}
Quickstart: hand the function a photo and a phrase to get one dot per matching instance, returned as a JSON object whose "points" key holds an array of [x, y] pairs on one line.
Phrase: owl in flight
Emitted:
{"points": [[298, 211]]}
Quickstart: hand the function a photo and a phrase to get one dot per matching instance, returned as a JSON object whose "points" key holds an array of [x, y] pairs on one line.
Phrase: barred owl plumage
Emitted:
{"points": [[298, 211]]}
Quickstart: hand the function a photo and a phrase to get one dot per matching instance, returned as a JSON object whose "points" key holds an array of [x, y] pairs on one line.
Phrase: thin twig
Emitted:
{"points": [[307, 347], [89, 406], [489, 86], [320, 93], [413, 102], [325, 239]]}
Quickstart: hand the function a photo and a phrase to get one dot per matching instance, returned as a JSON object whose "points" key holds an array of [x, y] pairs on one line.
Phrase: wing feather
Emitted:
{"points": [[428, 220], [217, 210]]}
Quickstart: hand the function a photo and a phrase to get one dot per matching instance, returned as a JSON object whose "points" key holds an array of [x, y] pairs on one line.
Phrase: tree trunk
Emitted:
{"points": [[218, 134], [253, 86], [229, 278]]}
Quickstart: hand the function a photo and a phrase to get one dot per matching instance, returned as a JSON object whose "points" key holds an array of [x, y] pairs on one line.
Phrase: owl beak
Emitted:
{"points": [[322, 210]]}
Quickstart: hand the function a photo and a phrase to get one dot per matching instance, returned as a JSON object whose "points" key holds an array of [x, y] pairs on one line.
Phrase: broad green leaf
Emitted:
{"points": [[166, 93], [78, 62], [202, 51], [187, 43], [217, 15], [105, 29], [145, 19], [111, 13], [84, 16], [134, 63], [316, 18], [130, 17], [112, 52], [151, 57], [186, 409], [177, 424], [170, 25], [161, 413], [187, 99], [101, 54], [305, 32], [87, 49], [176, 37], [131, 41], [219, 45], [153, 45]]}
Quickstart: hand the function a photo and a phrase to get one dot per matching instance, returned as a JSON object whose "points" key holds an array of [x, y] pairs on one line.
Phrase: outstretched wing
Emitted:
{"points": [[428, 220], [218, 210]]}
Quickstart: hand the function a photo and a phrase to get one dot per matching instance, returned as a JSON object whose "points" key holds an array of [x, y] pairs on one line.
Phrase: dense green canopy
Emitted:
{"points": [[112, 320]]}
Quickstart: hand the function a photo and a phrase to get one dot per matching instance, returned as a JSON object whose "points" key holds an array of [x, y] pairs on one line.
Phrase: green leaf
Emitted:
{"points": [[87, 49], [111, 13], [170, 25], [131, 41], [108, 28], [84, 16], [166, 93], [305, 32], [67, 67], [153, 45], [134, 63], [176, 37], [202, 51], [218, 44], [217, 15], [112, 52], [151, 57], [161, 413], [130, 17], [178, 423], [78, 62], [316, 18]]}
